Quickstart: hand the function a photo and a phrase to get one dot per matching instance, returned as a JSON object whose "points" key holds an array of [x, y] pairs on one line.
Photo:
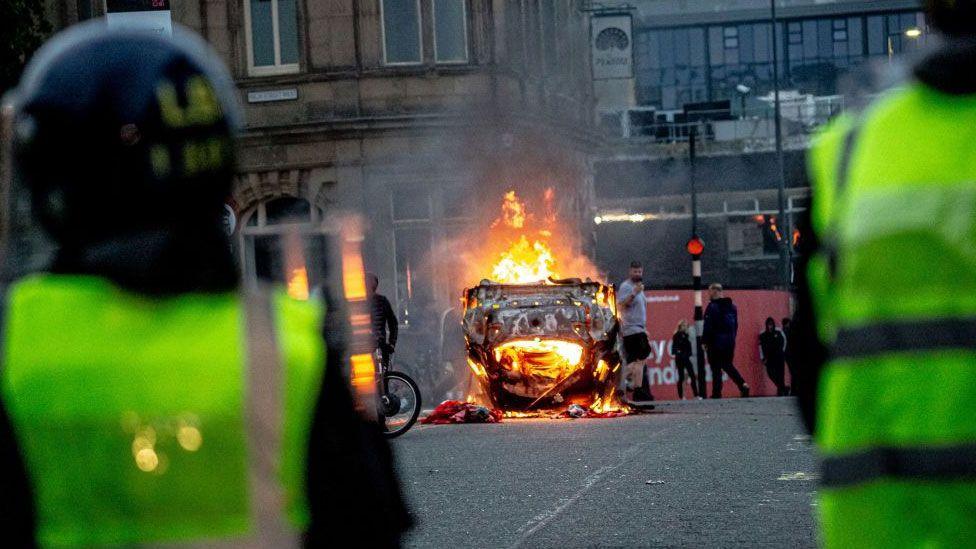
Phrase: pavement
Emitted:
{"points": [[729, 473]]}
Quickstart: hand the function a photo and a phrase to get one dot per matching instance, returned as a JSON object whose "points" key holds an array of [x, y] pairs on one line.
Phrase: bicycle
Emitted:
{"points": [[399, 398]]}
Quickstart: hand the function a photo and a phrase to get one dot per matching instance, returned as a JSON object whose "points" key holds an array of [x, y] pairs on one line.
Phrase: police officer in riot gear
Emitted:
{"points": [[887, 313], [143, 398]]}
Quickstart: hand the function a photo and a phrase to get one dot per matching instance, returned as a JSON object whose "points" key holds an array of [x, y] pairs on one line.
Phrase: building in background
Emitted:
{"points": [[708, 65], [416, 113]]}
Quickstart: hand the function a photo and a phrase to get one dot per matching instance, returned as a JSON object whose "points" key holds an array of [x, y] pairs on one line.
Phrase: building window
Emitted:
{"points": [[731, 35], [550, 28], [840, 30], [280, 244], [752, 237], [272, 36], [401, 32], [513, 36], [450, 31], [412, 235]]}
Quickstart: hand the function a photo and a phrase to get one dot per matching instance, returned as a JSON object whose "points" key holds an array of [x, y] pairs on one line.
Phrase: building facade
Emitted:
{"points": [[707, 67], [416, 114], [683, 58]]}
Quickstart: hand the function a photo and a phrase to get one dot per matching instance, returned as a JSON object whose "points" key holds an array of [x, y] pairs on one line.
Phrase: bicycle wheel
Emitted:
{"points": [[400, 405]]}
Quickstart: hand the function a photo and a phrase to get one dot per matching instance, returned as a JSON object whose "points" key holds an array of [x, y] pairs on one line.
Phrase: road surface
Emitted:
{"points": [[736, 472]]}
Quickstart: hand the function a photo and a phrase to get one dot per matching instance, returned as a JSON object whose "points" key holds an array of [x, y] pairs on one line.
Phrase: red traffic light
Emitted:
{"points": [[695, 246]]}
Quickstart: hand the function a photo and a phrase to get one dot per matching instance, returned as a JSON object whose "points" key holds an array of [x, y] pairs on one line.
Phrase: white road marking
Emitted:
{"points": [[799, 475], [541, 520]]}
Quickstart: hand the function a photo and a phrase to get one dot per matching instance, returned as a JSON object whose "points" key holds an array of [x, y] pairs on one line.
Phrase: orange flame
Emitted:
{"points": [[528, 259], [298, 284], [513, 212], [527, 243], [524, 263]]}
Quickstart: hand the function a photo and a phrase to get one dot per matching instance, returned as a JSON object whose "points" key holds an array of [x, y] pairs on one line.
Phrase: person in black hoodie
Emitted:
{"points": [[681, 351], [772, 352], [721, 327]]}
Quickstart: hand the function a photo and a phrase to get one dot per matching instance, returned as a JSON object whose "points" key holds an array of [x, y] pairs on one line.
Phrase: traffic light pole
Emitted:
{"points": [[695, 248], [699, 322]]}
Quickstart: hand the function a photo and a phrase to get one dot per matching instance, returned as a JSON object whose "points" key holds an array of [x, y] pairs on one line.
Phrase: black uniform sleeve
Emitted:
{"points": [[707, 325], [17, 521], [351, 483], [808, 355], [392, 325]]}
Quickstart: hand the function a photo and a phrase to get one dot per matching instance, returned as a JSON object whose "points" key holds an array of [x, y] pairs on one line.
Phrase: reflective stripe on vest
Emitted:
{"points": [[905, 337], [130, 412], [922, 463]]}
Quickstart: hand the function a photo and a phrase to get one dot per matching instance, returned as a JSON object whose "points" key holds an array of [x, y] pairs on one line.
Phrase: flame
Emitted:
{"points": [[527, 243], [298, 284], [478, 369], [552, 359], [525, 263], [529, 257], [513, 212], [775, 228]]}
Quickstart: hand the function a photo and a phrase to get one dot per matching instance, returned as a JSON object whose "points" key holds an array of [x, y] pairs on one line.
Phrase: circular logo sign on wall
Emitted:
{"points": [[612, 37]]}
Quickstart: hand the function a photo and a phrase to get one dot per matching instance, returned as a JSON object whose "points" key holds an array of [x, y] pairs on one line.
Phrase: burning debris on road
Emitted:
{"points": [[456, 412]]}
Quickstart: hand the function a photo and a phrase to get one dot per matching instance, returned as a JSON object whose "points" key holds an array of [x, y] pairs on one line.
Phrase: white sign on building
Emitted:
{"points": [[152, 15], [612, 46]]}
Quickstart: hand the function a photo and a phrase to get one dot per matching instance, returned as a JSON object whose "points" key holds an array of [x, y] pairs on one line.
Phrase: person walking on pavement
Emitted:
{"points": [[886, 319], [718, 337], [145, 398], [632, 306], [384, 320], [772, 353], [681, 351]]}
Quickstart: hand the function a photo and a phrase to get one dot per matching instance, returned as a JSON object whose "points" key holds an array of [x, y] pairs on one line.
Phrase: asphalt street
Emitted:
{"points": [[730, 473]]}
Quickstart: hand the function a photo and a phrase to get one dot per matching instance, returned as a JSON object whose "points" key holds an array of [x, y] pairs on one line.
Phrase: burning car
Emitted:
{"points": [[544, 344]]}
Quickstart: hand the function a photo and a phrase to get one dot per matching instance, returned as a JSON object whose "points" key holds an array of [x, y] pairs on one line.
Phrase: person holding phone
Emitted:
{"points": [[632, 308]]}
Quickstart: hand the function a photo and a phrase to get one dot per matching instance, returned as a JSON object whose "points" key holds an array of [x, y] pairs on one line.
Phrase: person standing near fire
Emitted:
{"points": [[681, 351], [632, 308], [385, 324], [718, 336], [772, 353]]}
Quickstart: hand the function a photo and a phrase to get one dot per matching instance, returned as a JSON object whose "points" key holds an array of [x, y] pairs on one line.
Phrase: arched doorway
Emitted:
{"points": [[282, 241]]}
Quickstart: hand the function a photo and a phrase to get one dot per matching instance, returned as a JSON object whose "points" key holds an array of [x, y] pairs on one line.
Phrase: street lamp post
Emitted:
{"points": [[784, 249]]}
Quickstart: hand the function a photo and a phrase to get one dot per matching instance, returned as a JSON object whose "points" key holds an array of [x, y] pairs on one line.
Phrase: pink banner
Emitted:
{"points": [[666, 308]]}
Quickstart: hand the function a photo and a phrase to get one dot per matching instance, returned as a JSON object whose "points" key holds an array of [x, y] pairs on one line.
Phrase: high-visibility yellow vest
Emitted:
{"points": [[130, 410], [894, 290]]}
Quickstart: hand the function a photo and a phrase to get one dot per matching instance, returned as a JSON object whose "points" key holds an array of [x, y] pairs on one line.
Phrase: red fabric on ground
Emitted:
{"points": [[455, 411]]}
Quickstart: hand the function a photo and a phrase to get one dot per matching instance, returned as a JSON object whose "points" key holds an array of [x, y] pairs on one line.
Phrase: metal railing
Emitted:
{"points": [[801, 116]]}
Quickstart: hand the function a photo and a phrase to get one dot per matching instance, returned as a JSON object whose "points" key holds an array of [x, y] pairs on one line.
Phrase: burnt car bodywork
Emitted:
{"points": [[542, 345]]}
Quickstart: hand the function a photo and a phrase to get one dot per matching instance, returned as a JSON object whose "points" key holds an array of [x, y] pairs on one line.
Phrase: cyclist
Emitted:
{"points": [[383, 319]]}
